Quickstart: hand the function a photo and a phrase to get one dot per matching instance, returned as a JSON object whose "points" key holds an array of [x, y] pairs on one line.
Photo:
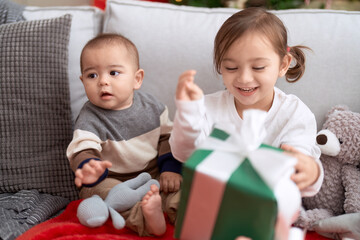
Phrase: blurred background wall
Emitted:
{"points": [[350, 5], [53, 2]]}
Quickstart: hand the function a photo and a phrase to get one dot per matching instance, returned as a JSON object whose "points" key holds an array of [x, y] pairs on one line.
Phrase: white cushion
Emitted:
{"points": [[86, 24], [173, 38]]}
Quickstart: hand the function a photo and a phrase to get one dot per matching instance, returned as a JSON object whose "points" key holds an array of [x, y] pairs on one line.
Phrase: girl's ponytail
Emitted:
{"points": [[296, 71]]}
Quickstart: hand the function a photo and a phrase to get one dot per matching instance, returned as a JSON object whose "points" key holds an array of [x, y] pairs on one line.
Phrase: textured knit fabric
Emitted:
{"points": [[10, 12], [24, 209], [35, 119], [129, 138], [289, 121]]}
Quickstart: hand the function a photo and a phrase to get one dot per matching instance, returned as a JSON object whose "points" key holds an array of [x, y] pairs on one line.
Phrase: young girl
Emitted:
{"points": [[251, 53]]}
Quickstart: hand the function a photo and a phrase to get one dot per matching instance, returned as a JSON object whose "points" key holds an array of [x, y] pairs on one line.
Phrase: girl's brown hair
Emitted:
{"points": [[259, 20]]}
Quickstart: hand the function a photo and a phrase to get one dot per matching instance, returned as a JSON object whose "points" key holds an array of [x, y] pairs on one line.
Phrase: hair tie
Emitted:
{"points": [[288, 49]]}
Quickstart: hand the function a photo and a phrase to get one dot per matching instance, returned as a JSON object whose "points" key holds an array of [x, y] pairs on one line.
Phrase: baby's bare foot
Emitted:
{"points": [[153, 214]]}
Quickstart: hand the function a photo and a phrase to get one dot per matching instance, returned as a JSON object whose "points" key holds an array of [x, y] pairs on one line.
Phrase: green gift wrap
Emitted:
{"points": [[224, 197]]}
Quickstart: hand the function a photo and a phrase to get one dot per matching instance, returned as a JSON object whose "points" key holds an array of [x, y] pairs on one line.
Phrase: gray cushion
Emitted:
{"points": [[35, 116]]}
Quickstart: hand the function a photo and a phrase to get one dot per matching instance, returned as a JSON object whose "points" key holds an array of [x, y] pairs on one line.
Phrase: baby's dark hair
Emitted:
{"points": [[112, 38], [257, 19]]}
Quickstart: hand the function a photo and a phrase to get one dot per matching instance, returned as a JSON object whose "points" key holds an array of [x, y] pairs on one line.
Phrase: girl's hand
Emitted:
{"points": [[90, 172], [307, 170], [186, 89]]}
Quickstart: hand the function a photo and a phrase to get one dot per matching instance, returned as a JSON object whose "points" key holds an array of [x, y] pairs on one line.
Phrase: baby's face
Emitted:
{"points": [[109, 76]]}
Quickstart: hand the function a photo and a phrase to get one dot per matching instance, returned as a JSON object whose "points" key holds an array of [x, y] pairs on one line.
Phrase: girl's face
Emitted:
{"points": [[250, 69]]}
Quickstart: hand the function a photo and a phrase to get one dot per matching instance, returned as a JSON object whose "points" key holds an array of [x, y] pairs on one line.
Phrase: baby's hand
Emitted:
{"points": [[170, 182], [186, 89], [90, 172], [306, 169]]}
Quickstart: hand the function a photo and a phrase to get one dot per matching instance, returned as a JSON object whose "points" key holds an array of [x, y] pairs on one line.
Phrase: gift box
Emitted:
{"points": [[236, 186]]}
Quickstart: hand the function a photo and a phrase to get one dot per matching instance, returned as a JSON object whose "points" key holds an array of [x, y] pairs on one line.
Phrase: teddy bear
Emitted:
{"points": [[339, 142]]}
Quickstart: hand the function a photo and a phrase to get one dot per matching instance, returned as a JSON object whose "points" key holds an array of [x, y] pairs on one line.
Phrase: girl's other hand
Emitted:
{"points": [[307, 171], [186, 89]]}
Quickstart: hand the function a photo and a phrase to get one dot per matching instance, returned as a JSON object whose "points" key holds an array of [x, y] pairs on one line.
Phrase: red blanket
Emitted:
{"points": [[67, 226]]}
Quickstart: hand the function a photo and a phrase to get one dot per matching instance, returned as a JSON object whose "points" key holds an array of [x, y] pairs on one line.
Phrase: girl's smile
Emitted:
{"points": [[247, 91]]}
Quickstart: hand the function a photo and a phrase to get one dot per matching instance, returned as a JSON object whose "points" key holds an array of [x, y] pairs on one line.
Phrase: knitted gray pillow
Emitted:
{"points": [[35, 116]]}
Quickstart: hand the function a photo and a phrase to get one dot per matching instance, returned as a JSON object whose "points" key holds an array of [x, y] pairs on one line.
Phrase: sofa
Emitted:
{"points": [[41, 93]]}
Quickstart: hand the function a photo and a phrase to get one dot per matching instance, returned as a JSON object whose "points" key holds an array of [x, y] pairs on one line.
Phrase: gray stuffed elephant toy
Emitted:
{"points": [[94, 211]]}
